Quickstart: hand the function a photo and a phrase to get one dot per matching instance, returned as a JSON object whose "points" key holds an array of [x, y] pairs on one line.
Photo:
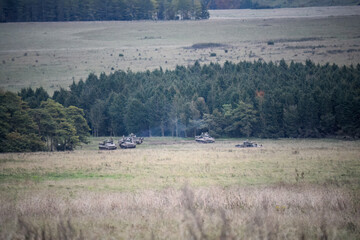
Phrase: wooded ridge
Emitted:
{"points": [[108, 10], [245, 99], [101, 10]]}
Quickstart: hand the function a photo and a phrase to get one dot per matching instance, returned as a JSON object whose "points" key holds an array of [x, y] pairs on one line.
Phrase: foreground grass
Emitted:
{"points": [[175, 188]]}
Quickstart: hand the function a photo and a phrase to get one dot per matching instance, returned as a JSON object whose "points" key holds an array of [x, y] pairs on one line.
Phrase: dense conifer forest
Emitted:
{"points": [[127, 10], [100, 10], [247, 99]]}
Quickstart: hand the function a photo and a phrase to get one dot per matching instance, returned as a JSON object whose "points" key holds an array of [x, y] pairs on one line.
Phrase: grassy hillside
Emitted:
{"points": [[303, 3], [51, 55]]}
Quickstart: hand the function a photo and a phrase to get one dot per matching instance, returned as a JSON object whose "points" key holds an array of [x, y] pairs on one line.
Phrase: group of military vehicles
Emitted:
{"points": [[206, 138], [131, 141], [125, 142]]}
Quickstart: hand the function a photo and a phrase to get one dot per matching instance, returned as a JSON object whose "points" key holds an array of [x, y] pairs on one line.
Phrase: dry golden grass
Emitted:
{"points": [[286, 211], [177, 189]]}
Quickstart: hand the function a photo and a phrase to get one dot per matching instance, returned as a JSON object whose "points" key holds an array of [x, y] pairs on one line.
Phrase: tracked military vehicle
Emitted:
{"points": [[248, 144], [204, 138], [127, 142], [107, 145], [137, 140]]}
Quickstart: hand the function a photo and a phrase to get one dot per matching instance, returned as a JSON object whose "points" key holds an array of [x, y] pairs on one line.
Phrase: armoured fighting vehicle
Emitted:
{"points": [[107, 145], [127, 142], [137, 140], [204, 138], [247, 144]]}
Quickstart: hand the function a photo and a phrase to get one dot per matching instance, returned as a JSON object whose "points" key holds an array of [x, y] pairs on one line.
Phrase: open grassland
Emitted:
{"points": [[52, 55], [176, 189]]}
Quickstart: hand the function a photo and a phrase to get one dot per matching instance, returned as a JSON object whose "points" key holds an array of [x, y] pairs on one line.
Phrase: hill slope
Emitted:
{"points": [[234, 4]]}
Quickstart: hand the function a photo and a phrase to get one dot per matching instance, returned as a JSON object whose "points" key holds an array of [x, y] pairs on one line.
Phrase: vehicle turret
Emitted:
{"points": [[204, 138]]}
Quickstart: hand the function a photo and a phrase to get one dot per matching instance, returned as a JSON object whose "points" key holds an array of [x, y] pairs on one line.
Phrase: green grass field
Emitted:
{"points": [[175, 188], [52, 55]]}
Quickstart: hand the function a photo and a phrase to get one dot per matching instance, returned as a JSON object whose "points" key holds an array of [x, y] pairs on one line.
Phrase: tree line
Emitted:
{"points": [[47, 126], [247, 99], [101, 10], [127, 10]]}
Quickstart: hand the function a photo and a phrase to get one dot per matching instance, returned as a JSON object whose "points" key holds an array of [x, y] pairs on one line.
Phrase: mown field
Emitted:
{"points": [[52, 55], [176, 189]]}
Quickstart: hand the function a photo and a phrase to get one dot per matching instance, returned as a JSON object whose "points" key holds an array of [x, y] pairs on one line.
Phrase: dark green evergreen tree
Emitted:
{"points": [[18, 131], [135, 117]]}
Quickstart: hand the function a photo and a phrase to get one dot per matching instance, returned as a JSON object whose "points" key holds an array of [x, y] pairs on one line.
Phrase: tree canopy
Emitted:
{"points": [[18, 131], [100, 10], [48, 126], [246, 99]]}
